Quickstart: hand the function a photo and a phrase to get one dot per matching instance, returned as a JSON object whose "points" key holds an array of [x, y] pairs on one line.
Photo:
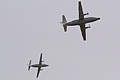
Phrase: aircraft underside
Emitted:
{"points": [[80, 22]]}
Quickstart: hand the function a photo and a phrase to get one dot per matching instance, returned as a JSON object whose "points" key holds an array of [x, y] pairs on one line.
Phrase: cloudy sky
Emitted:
{"points": [[29, 27]]}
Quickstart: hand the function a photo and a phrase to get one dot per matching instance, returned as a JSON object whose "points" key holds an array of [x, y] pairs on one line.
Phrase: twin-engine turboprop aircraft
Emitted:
{"points": [[81, 21], [37, 65]]}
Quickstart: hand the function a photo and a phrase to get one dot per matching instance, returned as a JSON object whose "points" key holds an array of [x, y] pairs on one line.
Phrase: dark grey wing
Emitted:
{"points": [[39, 68], [40, 62], [83, 31], [81, 15]]}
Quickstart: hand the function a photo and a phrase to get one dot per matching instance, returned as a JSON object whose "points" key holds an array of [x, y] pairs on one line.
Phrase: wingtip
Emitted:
{"points": [[79, 1], [84, 39], [65, 30]]}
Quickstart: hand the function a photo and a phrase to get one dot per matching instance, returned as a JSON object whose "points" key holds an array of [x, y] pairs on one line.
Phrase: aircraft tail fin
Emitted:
{"points": [[64, 21], [29, 65]]}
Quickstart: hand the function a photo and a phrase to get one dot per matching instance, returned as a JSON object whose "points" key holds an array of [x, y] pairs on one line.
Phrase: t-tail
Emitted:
{"points": [[64, 21], [29, 65]]}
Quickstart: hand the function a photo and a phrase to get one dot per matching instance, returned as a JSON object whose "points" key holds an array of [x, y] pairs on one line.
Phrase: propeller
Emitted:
{"points": [[89, 25], [87, 13]]}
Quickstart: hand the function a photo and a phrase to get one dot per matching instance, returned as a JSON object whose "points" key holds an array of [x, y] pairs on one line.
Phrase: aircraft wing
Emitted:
{"points": [[83, 31], [40, 62], [81, 15], [39, 68]]}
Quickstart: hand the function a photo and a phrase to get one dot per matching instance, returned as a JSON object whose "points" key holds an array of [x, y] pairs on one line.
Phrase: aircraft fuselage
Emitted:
{"points": [[37, 65], [80, 22]]}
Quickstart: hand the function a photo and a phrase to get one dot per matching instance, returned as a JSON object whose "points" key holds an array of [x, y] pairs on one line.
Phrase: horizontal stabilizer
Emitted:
{"points": [[65, 28], [29, 65], [64, 21]]}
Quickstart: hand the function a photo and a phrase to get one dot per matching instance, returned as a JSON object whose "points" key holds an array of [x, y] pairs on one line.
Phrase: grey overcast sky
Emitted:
{"points": [[29, 27]]}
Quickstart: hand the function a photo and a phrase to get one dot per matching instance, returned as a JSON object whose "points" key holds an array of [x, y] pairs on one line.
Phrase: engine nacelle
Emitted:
{"points": [[87, 27], [86, 14]]}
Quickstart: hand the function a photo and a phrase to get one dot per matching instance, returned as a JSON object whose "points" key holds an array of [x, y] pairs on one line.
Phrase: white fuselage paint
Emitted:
{"points": [[80, 22]]}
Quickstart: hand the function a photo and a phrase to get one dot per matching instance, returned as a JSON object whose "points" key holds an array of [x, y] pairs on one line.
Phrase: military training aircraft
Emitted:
{"points": [[81, 21], [37, 65]]}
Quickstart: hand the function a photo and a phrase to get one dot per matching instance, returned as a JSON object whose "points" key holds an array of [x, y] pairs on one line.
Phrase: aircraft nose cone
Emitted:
{"points": [[98, 18], [47, 65]]}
